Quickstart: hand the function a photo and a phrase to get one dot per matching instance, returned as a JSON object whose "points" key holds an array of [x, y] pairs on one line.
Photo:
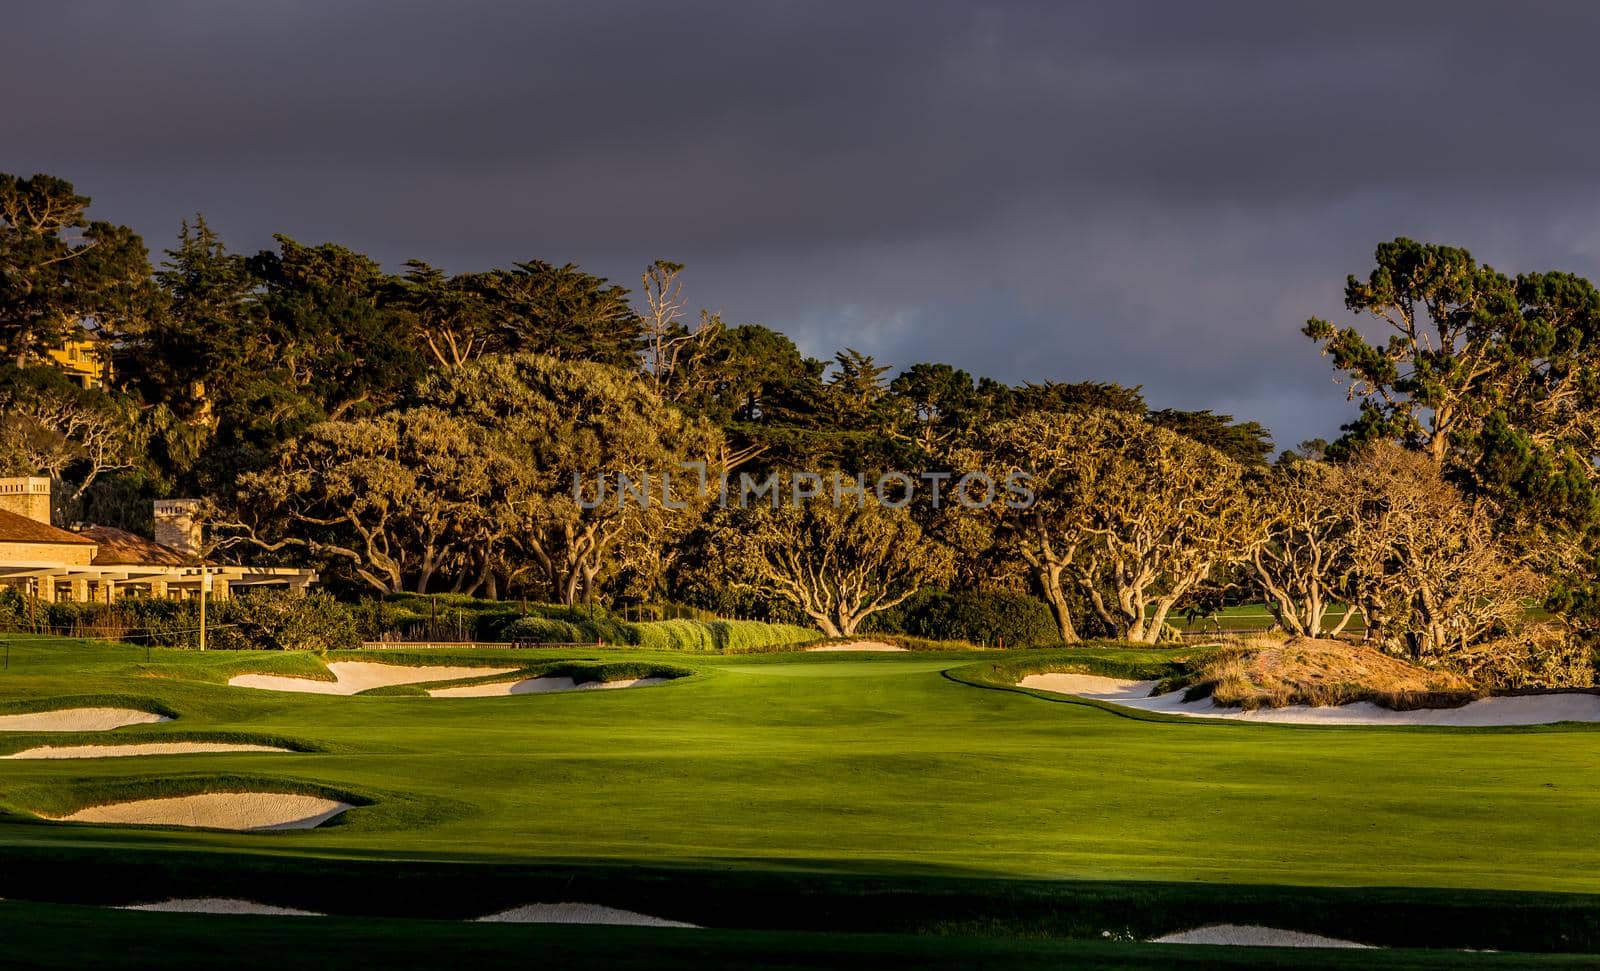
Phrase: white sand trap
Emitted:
{"points": [[1513, 710], [856, 646], [218, 810], [357, 676], [219, 905], [570, 913], [1253, 935], [138, 748], [533, 686], [78, 720]]}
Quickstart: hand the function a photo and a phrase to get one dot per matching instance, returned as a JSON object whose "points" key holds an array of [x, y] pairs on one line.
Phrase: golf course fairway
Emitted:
{"points": [[821, 799]]}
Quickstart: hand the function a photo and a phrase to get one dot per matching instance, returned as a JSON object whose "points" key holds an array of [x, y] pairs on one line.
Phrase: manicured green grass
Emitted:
{"points": [[1255, 616], [880, 775], [1249, 617]]}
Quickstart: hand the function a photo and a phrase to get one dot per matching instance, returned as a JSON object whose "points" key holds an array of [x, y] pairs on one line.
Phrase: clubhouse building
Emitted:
{"points": [[101, 564]]}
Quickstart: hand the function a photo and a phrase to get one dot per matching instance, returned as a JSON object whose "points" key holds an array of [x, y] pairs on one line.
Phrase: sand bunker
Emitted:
{"points": [[1514, 710], [532, 686], [1252, 935], [570, 913], [857, 646], [218, 810], [219, 905], [138, 748], [357, 676], [78, 720]]}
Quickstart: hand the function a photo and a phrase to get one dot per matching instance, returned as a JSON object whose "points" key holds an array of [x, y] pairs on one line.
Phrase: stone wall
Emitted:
{"points": [[74, 554], [176, 525], [28, 497]]}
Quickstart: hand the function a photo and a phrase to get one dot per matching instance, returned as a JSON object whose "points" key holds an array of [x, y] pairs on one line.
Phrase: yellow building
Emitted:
{"points": [[82, 359]]}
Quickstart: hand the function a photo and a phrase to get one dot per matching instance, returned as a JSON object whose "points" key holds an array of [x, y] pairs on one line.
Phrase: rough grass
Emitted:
{"points": [[1263, 672]]}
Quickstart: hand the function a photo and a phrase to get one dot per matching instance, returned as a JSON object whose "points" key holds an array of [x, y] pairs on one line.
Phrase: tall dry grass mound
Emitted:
{"points": [[1308, 671]]}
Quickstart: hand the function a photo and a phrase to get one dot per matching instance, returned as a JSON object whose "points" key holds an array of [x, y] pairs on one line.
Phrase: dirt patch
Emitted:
{"points": [[249, 811], [354, 677], [78, 720], [856, 646], [137, 748], [573, 913]]}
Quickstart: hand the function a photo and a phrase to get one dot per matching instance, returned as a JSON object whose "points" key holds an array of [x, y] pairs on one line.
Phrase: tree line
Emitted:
{"points": [[421, 431]]}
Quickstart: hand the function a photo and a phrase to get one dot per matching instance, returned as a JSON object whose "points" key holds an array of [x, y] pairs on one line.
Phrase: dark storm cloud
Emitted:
{"points": [[1157, 194]]}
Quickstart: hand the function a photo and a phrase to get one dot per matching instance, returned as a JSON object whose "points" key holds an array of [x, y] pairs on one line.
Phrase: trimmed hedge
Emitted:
{"points": [[453, 617], [984, 617], [718, 635], [546, 630], [280, 621]]}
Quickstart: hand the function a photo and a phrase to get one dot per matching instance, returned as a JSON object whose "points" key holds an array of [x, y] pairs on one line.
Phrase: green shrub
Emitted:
{"points": [[376, 619], [545, 630], [675, 635], [415, 617], [282, 621], [903, 617], [160, 621], [591, 623], [1538, 656], [741, 602], [662, 610], [987, 617], [457, 617], [13, 610]]}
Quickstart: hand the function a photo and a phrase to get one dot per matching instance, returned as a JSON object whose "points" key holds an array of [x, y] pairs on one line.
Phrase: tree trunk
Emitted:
{"points": [[827, 626], [1349, 612], [1158, 623], [1050, 581]]}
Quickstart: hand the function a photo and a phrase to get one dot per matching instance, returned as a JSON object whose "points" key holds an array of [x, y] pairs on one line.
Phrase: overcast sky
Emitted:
{"points": [[1157, 194]]}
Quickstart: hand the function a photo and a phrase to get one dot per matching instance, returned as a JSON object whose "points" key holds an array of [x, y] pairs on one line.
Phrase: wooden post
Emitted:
{"points": [[205, 577]]}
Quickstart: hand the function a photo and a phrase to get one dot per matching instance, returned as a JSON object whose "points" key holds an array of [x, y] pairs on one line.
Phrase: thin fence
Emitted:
{"points": [[112, 632], [507, 645]]}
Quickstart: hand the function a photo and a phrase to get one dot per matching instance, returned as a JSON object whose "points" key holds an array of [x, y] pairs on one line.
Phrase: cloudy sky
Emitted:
{"points": [[1157, 194]]}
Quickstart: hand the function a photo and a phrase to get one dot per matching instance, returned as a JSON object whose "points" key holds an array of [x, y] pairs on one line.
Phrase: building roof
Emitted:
{"points": [[21, 529], [119, 547]]}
